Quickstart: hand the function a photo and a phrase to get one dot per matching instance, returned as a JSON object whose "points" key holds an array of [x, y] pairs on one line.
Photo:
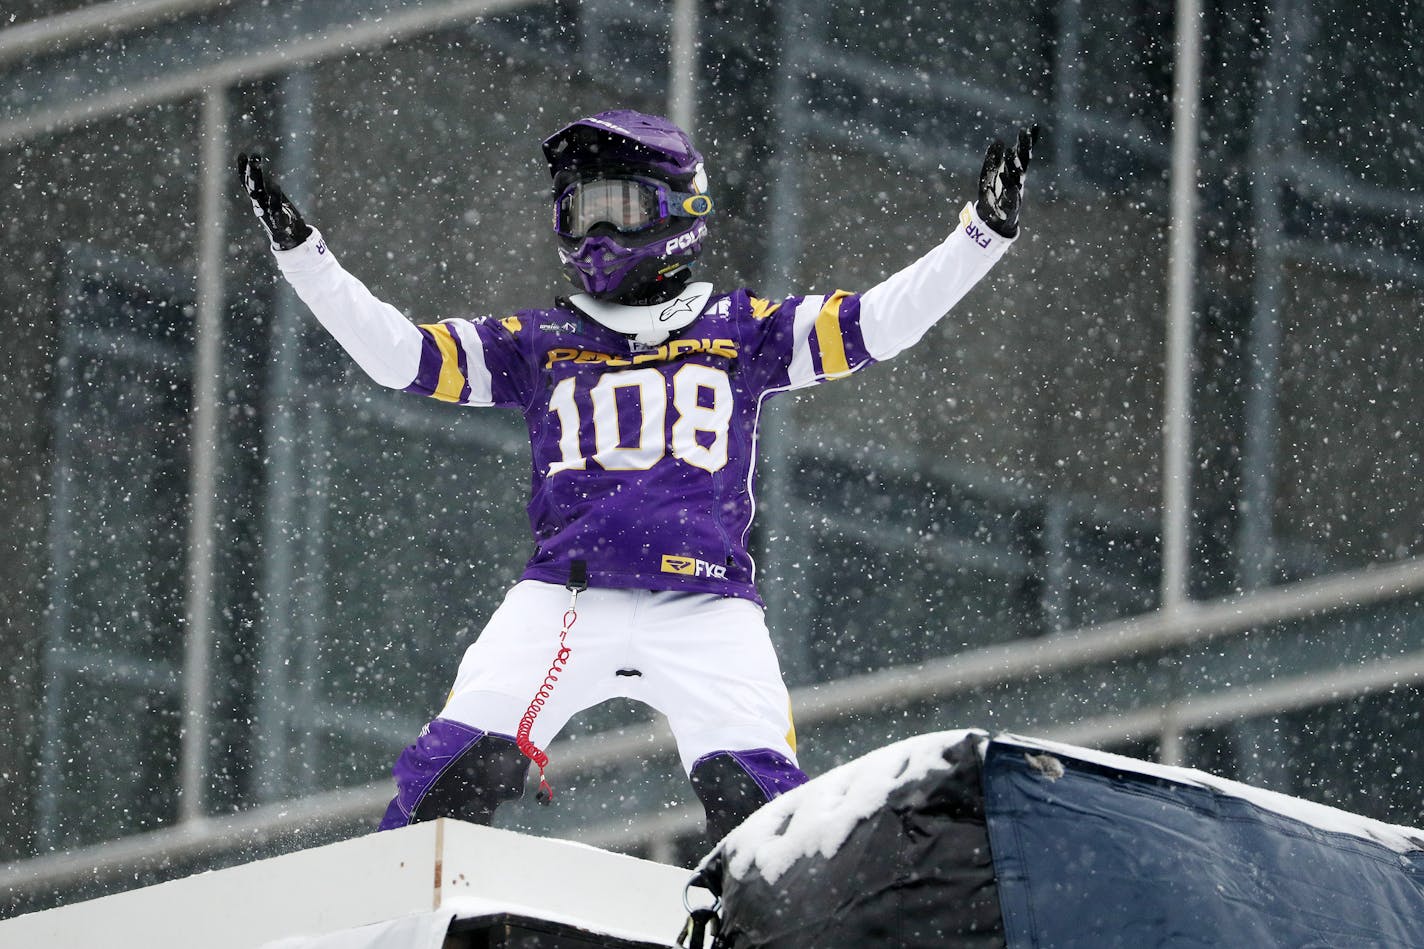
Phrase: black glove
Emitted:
{"points": [[283, 222], [1001, 183]]}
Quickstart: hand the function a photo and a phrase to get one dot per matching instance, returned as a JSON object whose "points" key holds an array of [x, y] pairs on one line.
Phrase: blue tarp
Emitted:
{"points": [[962, 839], [1086, 855]]}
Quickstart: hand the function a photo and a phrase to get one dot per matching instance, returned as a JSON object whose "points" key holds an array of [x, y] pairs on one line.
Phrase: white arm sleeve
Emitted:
{"points": [[897, 312], [377, 335]]}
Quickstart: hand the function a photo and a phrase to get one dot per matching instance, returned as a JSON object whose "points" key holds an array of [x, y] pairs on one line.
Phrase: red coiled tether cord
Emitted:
{"points": [[578, 582]]}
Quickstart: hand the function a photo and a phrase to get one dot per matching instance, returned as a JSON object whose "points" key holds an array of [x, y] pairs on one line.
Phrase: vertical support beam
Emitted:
{"points": [[1255, 541], [57, 683], [1055, 599], [1181, 277], [682, 86], [284, 485], [788, 607], [203, 469], [1170, 745], [1255, 544], [663, 848], [1261, 753], [788, 101], [1067, 81], [304, 697]]}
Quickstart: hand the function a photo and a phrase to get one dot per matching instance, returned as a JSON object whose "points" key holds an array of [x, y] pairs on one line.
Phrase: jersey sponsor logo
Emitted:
{"points": [[667, 352], [568, 326], [692, 567]]}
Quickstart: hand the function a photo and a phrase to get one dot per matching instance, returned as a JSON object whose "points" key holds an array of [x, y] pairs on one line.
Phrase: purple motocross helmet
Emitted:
{"points": [[630, 194]]}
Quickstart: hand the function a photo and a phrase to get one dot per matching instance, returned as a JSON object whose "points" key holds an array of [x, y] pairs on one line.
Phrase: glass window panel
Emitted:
{"points": [[1358, 755], [421, 532], [120, 762], [961, 41], [1127, 57], [1350, 434], [119, 506], [1362, 62], [1041, 390]]}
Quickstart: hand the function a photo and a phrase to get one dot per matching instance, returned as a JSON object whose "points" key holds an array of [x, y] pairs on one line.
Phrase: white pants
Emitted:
{"points": [[704, 661]]}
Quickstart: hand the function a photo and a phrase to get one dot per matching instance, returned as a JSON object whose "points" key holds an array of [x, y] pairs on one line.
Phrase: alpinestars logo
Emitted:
{"points": [[692, 567], [677, 307]]}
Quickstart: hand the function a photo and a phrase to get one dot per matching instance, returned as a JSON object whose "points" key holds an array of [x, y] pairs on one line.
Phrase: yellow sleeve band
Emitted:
{"points": [[791, 732], [828, 336], [452, 381]]}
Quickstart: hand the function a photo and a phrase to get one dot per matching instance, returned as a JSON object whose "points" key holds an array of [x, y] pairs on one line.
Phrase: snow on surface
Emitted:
{"points": [[818, 816], [1322, 816]]}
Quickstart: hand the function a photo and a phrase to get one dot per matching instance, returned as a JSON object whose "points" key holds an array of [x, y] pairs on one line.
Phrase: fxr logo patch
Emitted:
{"points": [[692, 567], [972, 231]]}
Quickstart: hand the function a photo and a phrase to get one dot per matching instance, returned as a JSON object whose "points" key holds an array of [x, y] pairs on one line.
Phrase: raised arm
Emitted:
{"points": [[896, 313], [378, 336]]}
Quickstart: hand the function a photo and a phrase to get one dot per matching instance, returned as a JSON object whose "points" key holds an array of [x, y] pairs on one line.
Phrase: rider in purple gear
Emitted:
{"points": [[642, 394]]}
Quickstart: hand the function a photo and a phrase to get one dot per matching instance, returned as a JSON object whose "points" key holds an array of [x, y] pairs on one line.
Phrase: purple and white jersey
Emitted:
{"points": [[644, 457]]}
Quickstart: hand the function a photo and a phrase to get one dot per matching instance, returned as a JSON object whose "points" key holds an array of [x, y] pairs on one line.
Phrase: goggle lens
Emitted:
{"points": [[628, 204]]}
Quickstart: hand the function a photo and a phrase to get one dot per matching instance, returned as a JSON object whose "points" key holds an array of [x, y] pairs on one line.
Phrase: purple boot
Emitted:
{"points": [[455, 770], [733, 784]]}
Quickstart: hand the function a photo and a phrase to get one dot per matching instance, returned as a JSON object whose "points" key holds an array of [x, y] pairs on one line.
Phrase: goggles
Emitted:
{"points": [[630, 205]]}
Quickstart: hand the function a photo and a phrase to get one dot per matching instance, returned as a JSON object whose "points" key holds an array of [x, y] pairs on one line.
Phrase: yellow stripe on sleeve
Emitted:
{"points": [[828, 336], [791, 732], [452, 382]]}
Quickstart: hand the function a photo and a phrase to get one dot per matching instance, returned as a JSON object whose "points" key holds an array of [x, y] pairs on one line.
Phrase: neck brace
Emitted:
{"points": [[650, 324]]}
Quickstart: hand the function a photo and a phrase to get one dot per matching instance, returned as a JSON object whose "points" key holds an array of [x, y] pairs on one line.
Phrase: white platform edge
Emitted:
{"points": [[440, 865]]}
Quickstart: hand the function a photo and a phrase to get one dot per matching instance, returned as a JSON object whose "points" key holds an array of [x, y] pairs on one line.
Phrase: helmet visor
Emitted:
{"points": [[630, 205]]}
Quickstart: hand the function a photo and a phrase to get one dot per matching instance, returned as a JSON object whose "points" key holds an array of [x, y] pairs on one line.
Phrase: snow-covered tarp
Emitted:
{"points": [[957, 838]]}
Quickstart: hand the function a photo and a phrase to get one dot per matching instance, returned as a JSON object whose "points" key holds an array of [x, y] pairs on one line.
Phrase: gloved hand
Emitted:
{"points": [[283, 222], [1001, 183]]}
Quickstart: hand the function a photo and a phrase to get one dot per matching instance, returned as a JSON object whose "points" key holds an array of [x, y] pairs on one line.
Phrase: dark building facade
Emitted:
{"points": [[235, 575]]}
